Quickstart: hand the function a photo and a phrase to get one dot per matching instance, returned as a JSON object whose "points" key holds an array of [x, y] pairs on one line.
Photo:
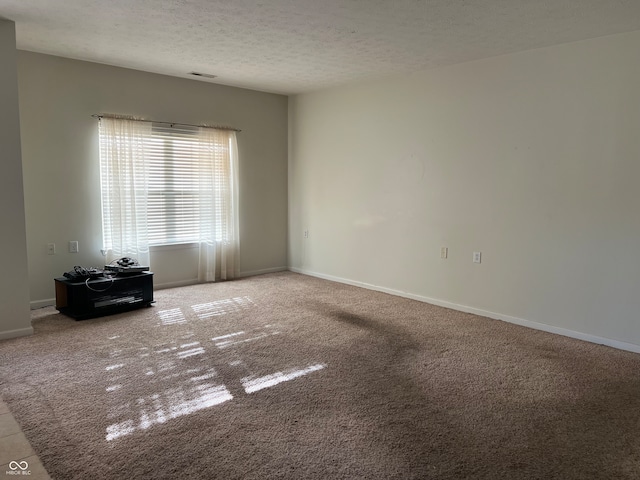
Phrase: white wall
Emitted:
{"points": [[532, 159], [60, 157], [14, 283]]}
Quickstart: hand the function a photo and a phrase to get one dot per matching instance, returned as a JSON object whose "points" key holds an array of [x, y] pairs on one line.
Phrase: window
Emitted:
{"points": [[178, 198], [166, 184]]}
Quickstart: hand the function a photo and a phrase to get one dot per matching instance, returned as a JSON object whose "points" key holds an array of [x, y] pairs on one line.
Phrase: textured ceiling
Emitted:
{"points": [[293, 46]]}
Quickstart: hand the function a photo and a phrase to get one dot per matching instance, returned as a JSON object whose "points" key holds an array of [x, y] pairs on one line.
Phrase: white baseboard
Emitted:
{"points": [[253, 273], [193, 281], [21, 332], [181, 283], [47, 302], [484, 313]]}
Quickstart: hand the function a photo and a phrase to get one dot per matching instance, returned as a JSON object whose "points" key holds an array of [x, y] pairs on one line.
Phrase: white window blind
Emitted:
{"points": [[185, 189]]}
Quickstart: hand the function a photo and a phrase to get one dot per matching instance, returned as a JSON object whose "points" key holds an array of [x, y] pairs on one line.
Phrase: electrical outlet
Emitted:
{"points": [[444, 252], [306, 234], [51, 248], [477, 257], [73, 246]]}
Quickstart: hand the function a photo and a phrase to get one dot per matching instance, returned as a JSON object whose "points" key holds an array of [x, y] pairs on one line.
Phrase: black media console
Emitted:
{"points": [[100, 296]]}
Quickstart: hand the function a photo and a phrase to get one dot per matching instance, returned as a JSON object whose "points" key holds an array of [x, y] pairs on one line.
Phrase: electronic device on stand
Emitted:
{"points": [[126, 265], [87, 292]]}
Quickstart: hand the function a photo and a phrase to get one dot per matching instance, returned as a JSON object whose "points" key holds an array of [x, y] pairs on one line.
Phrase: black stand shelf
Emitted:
{"points": [[100, 296]]}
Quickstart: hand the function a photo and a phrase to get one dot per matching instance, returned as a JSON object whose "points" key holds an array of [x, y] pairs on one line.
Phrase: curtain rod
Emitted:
{"points": [[217, 127]]}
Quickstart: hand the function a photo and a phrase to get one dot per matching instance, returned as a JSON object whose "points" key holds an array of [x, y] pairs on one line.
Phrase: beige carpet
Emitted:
{"points": [[284, 376]]}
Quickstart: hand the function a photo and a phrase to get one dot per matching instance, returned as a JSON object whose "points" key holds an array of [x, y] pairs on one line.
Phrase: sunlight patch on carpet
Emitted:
{"points": [[222, 307], [191, 352], [236, 338], [172, 316], [173, 403], [251, 384], [225, 337]]}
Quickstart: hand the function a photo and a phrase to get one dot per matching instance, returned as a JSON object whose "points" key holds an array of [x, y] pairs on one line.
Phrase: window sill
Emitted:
{"points": [[173, 246]]}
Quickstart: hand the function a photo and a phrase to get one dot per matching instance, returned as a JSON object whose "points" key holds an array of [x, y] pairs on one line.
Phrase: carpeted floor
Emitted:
{"points": [[285, 376]]}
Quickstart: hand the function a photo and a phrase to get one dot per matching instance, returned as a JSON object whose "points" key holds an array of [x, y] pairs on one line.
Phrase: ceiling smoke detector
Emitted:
{"points": [[205, 75]]}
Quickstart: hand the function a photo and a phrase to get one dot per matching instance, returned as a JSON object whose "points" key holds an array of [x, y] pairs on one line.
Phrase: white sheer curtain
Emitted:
{"points": [[123, 173], [219, 240]]}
